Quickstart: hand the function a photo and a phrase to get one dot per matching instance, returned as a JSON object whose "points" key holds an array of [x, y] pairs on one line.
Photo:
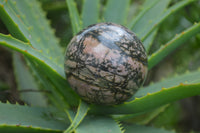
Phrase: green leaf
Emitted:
{"points": [[99, 124], [25, 82], [25, 129], [144, 129], [166, 91], [149, 40], [74, 16], [18, 17], [56, 97], [170, 117], [145, 33], [152, 10], [44, 64], [90, 12], [31, 117], [116, 11], [80, 115], [179, 39], [141, 118]]}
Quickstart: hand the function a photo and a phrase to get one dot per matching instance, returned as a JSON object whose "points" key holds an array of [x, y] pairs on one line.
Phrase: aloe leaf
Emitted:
{"points": [[179, 39], [32, 117], [25, 82], [44, 44], [74, 16], [80, 115], [141, 118], [146, 99], [149, 40], [54, 5], [154, 10], [18, 16], [145, 33], [150, 11], [53, 93], [144, 129], [99, 124], [29, 51], [116, 11], [170, 117], [25, 129], [44, 64], [90, 12]]}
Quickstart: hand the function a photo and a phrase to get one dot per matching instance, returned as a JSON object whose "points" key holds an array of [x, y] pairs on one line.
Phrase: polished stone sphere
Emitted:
{"points": [[105, 64]]}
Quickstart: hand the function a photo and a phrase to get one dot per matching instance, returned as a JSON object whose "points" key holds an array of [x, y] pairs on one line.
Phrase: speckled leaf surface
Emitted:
{"points": [[19, 14], [90, 12], [58, 82], [30, 117], [46, 47], [167, 91]]}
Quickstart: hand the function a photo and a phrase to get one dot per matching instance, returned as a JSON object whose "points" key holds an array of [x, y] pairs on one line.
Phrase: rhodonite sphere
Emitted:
{"points": [[105, 64]]}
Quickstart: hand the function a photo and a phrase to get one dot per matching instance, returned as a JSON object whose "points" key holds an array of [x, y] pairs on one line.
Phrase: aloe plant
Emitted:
{"points": [[59, 109]]}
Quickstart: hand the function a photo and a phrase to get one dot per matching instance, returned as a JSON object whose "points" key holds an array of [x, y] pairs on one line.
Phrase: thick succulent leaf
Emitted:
{"points": [[20, 15], [26, 84], [145, 33], [141, 118], [116, 11], [90, 124], [166, 91], [170, 117], [45, 65], [74, 16], [150, 11], [99, 124], [149, 40], [80, 115], [52, 92], [25, 129], [31, 117], [188, 78], [179, 39], [154, 10], [144, 129], [90, 12]]}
